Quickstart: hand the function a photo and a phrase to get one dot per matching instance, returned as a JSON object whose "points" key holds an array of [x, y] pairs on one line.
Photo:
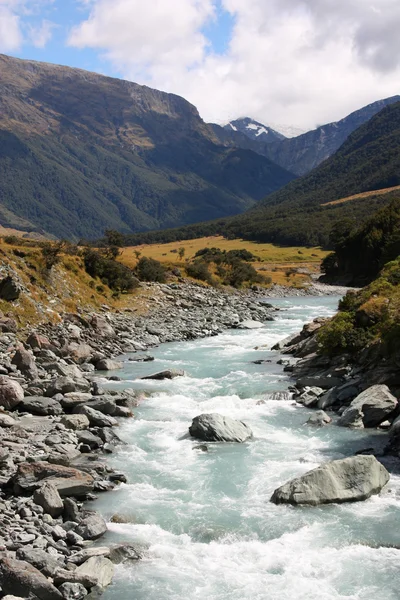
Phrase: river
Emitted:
{"points": [[205, 518]]}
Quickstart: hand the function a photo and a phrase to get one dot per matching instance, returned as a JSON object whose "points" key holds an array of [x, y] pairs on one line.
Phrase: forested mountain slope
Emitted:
{"points": [[80, 152]]}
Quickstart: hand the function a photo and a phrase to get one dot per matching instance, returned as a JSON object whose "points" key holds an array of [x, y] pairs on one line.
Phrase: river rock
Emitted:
{"points": [[75, 422], [92, 526], [19, 577], [35, 340], [214, 427], [42, 560], [25, 362], [370, 408], [102, 327], [318, 381], [106, 364], [7, 420], [167, 374], [38, 405], [96, 418], [9, 289], [49, 499], [319, 419], [73, 591], [11, 393], [99, 568], [83, 555], [67, 480], [80, 353], [345, 480]]}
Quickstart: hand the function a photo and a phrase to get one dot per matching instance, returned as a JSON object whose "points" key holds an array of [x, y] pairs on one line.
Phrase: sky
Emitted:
{"points": [[297, 62]]}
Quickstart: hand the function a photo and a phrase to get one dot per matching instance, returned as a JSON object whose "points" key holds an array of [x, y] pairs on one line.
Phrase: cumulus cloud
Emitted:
{"points": [[304, 62], [10, 26], [15, 29], [41, 35]]}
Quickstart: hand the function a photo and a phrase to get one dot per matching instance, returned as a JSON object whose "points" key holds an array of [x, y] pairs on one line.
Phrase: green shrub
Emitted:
{"points": [[149, 269], [118, 277], [199, 270]]}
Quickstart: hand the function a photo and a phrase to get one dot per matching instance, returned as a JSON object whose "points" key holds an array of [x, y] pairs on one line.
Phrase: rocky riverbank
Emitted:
{"points": [[57, 426], [362, 391]]}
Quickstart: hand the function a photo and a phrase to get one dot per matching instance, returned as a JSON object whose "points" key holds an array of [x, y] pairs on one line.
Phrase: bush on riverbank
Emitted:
{"points": [[369, 316]]}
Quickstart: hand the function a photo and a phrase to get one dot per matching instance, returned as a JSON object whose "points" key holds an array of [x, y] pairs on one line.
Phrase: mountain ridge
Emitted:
{"points": [[81, 152]]}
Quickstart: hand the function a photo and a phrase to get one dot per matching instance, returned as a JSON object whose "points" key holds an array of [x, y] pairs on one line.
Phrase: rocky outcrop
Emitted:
{"points": [[370, 408], [346, 480], [218, 428], [9, 289]]}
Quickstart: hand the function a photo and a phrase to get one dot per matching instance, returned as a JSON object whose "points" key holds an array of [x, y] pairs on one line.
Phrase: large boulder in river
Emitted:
{"points": [[370, 408], [345, 480], [11, 392], [214, 427]]}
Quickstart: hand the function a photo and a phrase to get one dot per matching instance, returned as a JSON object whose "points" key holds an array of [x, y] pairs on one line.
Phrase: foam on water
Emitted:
{"points": [[205, 517]]}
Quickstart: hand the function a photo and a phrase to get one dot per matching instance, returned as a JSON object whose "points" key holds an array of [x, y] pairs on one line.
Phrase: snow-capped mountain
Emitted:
{"points": [[289, 131], [255, 131]]}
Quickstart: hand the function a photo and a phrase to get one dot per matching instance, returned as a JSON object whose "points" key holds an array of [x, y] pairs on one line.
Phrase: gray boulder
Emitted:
{"points": [[99, 568], [25, 362], [92, 526], [83, 555], [167, 374], [310, 396], [214, 427], [21, 578], [79, 353], [40, 559], [75, 422], [96, 418], [11, 393], [39, 405], [346, 480], [106, 364], [73, 591], [319, 419], [370, 408], [324, 382], [49, 499]]}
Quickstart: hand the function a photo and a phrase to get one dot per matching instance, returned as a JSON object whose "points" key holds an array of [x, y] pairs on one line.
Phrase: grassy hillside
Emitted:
{"points": [[285, 266], [80, 153]]}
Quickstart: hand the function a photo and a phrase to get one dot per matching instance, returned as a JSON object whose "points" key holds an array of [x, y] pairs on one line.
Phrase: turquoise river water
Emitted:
{"points": [[205, 517]]}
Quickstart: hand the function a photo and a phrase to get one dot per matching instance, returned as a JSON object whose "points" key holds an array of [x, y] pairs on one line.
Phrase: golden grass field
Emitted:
{"points": [[274, 261], [362, 195]]}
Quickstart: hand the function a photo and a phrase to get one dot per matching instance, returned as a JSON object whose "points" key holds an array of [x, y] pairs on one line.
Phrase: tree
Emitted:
{"points": [[181, 252]]}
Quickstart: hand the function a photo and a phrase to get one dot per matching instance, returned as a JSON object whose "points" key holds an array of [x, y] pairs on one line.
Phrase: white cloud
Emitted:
{"points": [[295, 61], [41, 35], [14, 26], [10, 27]]}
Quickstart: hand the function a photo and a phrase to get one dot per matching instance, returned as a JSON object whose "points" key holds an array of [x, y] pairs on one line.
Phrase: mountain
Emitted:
{"points": [[303, 211], [298, 154], [254, 130], [344, 191], [305, 152], [80, 152]]}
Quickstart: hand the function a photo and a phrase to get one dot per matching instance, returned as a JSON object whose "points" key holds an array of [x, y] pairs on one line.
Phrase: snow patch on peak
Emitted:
{"points": [[289, 131]]}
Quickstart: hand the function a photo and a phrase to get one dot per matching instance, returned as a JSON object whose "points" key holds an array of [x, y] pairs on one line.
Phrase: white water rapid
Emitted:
{"points": [[205, 517]]}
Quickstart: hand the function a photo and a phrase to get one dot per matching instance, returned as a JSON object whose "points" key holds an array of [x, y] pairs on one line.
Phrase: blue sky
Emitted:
{"points": [[297, 62]]}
